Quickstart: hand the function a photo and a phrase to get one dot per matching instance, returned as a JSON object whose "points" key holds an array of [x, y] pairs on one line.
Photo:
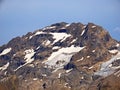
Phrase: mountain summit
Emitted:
{"points": [[61, 56]]}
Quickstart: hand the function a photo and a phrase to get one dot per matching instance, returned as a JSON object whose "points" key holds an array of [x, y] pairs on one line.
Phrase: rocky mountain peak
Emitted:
{"points": [[61, 56]]}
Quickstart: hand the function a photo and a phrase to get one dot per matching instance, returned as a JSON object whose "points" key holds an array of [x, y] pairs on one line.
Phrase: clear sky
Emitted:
{"points": [[17, 17]]}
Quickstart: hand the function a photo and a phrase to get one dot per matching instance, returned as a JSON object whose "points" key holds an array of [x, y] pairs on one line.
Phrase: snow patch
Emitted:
{"points": [[113, 51], [93, 26], [117, 58], [35, 79], [31, 65], [67, 25], [83, 32], [80, 59], [30, 37], [117, 45], [67, 71], [4, 67], [56, 47], [83, 27], [37, 47], [44, 75], [14, 55], [60, 36], [5, 51], [49, 27], [66, 85], [88, 56], [58, 61], [37, 33], [29, 55], [93, 51], [82, 77], [28, 58], [59, 75], [46, 42], [91, 67], [5, 73], [26, 37], [62, 57], [110, 65], [67, 50], [106, 67], [56, 36], [74, 40], [117, 73], [63, 28]]}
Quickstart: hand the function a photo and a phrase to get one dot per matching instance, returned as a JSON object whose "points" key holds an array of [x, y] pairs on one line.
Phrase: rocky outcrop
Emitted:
{"points": [[61, 57]]}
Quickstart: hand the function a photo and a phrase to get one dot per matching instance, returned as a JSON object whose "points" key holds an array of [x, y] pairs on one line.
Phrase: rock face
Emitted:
{"points": [[61, 57]]}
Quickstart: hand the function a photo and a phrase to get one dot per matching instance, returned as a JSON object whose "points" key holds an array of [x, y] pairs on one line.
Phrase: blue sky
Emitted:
{"points": [[17, 17]]}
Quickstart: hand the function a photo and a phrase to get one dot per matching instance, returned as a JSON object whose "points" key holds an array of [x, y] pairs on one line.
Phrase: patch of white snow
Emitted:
{"points": [[46, 42], [37, 47], [117, 45], [35, 79], [82, 77], [106, 68], [83, 27], [49, 27], [67, 71], [83, 32], [60, 36], [59, 75], [73, 40], [58, 59], [44, 75], [4, 67], [5, 51], [117, 72], [67, 25], [80, 59], [29, 55], [93, 26], [66, 85], [93, 50], [88, 56], [91, 67], [37, 33], [28, 58], [56, 47], [67, 50], [113, 51]]}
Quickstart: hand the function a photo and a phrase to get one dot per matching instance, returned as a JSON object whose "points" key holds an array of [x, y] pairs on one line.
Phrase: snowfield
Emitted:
{"points": [[56, 36], [58, 59], [28, 58], [29, 55], [107, 68]]}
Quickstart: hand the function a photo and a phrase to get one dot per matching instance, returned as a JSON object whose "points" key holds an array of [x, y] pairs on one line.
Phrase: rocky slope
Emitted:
{"points": [[61, 57]]}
